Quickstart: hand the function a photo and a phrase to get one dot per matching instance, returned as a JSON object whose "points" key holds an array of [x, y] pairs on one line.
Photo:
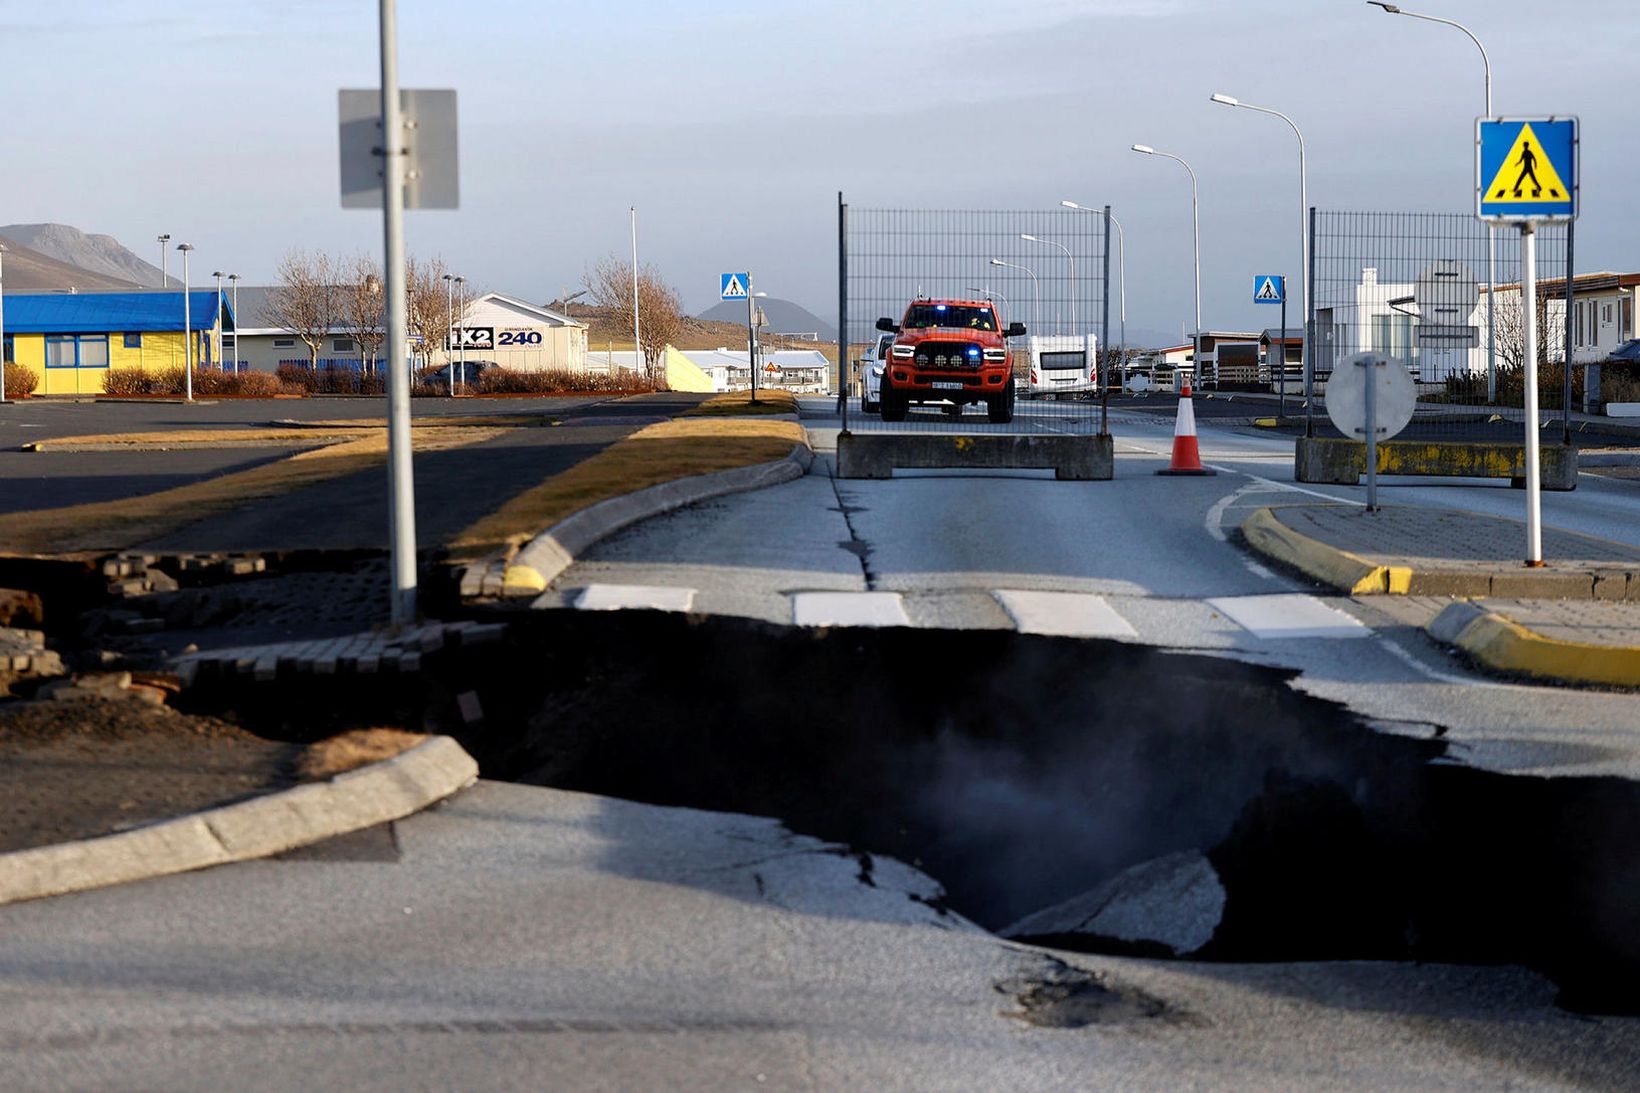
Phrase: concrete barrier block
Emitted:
{"points": [[877, 455], [1340, 462]]}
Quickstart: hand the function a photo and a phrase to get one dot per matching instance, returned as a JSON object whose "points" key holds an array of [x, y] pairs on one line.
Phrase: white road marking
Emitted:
{"points": [[1436, 674], [634, 597], [848, 609], [1289, 615], [1064, 614]]}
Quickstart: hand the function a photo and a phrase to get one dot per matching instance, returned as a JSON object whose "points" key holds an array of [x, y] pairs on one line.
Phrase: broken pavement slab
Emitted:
{"points": [[1173, 903]]}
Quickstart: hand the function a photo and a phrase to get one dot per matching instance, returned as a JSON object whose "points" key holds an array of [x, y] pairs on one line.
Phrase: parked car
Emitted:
{"points": [[871, 374], [466, 375], [1628, 351]]}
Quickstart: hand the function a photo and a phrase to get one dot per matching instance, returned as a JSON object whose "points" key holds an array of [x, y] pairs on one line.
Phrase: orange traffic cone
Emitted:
{"points": [[1187, 457]]}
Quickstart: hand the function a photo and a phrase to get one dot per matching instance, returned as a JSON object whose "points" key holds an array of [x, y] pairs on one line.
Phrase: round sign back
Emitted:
{"points": [[1394, 395]]}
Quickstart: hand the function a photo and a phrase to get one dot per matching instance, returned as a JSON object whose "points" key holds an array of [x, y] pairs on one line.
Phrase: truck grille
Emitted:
{"points": [[948, 355]]}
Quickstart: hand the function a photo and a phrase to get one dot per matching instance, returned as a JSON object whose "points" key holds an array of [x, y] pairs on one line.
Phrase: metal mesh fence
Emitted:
{"points": [[955, 283], [1434, 292]]}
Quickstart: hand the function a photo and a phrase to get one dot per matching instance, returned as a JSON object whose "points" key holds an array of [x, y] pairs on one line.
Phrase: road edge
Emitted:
{"points": [[1504, 645], [538, 562], [1348, 573], [269, 824]]}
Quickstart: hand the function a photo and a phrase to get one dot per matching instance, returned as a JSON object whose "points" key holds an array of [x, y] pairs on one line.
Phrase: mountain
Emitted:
{"points": [[27, 270], [784, 317], [98, 254]]}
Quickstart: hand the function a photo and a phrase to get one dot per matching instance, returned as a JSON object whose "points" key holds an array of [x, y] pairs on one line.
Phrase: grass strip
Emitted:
{"points": [[659, 453], [739, 403], [117, 525], [200, 438]]}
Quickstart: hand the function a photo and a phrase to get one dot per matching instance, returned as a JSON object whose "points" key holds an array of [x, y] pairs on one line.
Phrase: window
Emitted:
{"points": [[342, 345], [1392, 334], [1628, 318], [284, 343], [6, 353], [1605, 314], [76, 350], [133, 341]]}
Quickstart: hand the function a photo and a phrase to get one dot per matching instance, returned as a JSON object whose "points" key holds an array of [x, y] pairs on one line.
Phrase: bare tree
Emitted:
{"points": [[427, 297], [1510, 319], [364, 308], [660, 310], [307, 301]]}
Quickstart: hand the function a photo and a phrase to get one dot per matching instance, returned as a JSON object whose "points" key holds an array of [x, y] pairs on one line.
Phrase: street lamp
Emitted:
{"points": [[450, 330], [1303, 243], [461, 344], [187, 328], [1075, 328], [1196, 229], [164, 280], [1036, 292], [985, 293], [233, 280], [1121, 268], [1491, 229], [218, 274]]}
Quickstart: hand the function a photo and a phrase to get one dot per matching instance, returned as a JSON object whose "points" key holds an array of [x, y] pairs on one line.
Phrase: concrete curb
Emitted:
{"points": [[1338, 568], [389, 790], [1506, 646], [543, 558]]}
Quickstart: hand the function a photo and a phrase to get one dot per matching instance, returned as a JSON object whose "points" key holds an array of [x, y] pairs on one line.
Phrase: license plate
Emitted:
{"points": [[946, 385]]}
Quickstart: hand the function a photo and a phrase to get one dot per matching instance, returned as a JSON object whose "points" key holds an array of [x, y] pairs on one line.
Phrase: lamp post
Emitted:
{"points": [[164, 279], [218, 274], [1075, 328], [450, 330], [985, 293], [1491, 229], [1303, 240], [461, 341], [187, 328], [1196, 231], [637, 342], [1036, 291], [1121, 270], [233, 281]]}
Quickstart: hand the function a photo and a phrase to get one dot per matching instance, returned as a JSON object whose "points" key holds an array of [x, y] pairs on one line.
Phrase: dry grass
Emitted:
{"points": [[659, 453], [354, 749], [739, 403], [203, 438], [116, 525]]}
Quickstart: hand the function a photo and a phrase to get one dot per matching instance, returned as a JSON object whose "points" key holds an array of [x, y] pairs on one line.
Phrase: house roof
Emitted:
{"points": [[1275, 333], [109, 312]]}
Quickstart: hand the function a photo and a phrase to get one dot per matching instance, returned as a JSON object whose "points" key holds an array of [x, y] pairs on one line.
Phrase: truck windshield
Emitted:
{"points": [[968, 318]]}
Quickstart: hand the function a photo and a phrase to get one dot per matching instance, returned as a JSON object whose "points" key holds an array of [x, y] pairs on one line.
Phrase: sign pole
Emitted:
{"points": [[1528, 303], [1281, 356], [751, 334], [401, 507], [1371, 365]]}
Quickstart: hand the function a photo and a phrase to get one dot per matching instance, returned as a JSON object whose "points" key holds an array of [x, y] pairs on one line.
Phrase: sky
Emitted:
{"points": [[732, 127]]}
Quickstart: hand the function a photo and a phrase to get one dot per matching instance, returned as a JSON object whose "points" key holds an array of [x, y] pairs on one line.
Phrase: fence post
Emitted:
{"points": [[1104, 336], [1309, 337], [843, 363], [1566, 397]]}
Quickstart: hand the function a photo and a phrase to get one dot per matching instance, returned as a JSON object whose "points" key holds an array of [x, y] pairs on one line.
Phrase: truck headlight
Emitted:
{"points": [[996, 355], [903, 352]]}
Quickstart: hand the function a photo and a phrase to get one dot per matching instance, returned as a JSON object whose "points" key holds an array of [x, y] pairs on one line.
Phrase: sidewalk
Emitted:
{"points": [[1576, 620]]}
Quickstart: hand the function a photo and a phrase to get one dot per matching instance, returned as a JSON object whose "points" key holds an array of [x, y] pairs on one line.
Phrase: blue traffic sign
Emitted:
{"points": [[734, 286], [1270, 288], [1526, 168]]}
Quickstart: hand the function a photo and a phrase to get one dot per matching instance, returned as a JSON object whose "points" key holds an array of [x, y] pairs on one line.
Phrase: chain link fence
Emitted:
{"points": [[1441, 294], [973, 321]]}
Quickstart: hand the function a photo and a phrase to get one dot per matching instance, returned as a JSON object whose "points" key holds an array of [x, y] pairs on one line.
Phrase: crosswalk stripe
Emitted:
{"points": [[1063, 614], [634, 597], [1290, 615], [848, 609]]}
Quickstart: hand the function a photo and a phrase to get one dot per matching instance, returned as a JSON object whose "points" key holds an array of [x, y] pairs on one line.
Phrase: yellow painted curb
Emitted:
{"points": [[1508, 646], [1331, 566], [522, 580], [1266, 422]]}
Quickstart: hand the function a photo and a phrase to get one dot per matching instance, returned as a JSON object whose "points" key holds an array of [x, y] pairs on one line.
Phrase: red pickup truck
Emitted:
{"points": [[953, 352]]}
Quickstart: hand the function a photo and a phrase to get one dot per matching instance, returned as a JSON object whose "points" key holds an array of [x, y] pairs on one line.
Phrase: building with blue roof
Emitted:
{"points": [[73, 339]]}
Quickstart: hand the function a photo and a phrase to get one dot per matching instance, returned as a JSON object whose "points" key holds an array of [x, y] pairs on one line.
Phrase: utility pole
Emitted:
{"points": [[402, 499]]}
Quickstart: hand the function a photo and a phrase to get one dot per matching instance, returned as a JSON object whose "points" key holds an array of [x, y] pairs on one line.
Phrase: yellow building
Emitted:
{"points": [[72, 339]]}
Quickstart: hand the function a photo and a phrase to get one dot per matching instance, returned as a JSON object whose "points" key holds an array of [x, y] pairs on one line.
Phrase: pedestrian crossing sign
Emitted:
{"points": [[1526, 168], [1271, 288], [734, 286]]}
